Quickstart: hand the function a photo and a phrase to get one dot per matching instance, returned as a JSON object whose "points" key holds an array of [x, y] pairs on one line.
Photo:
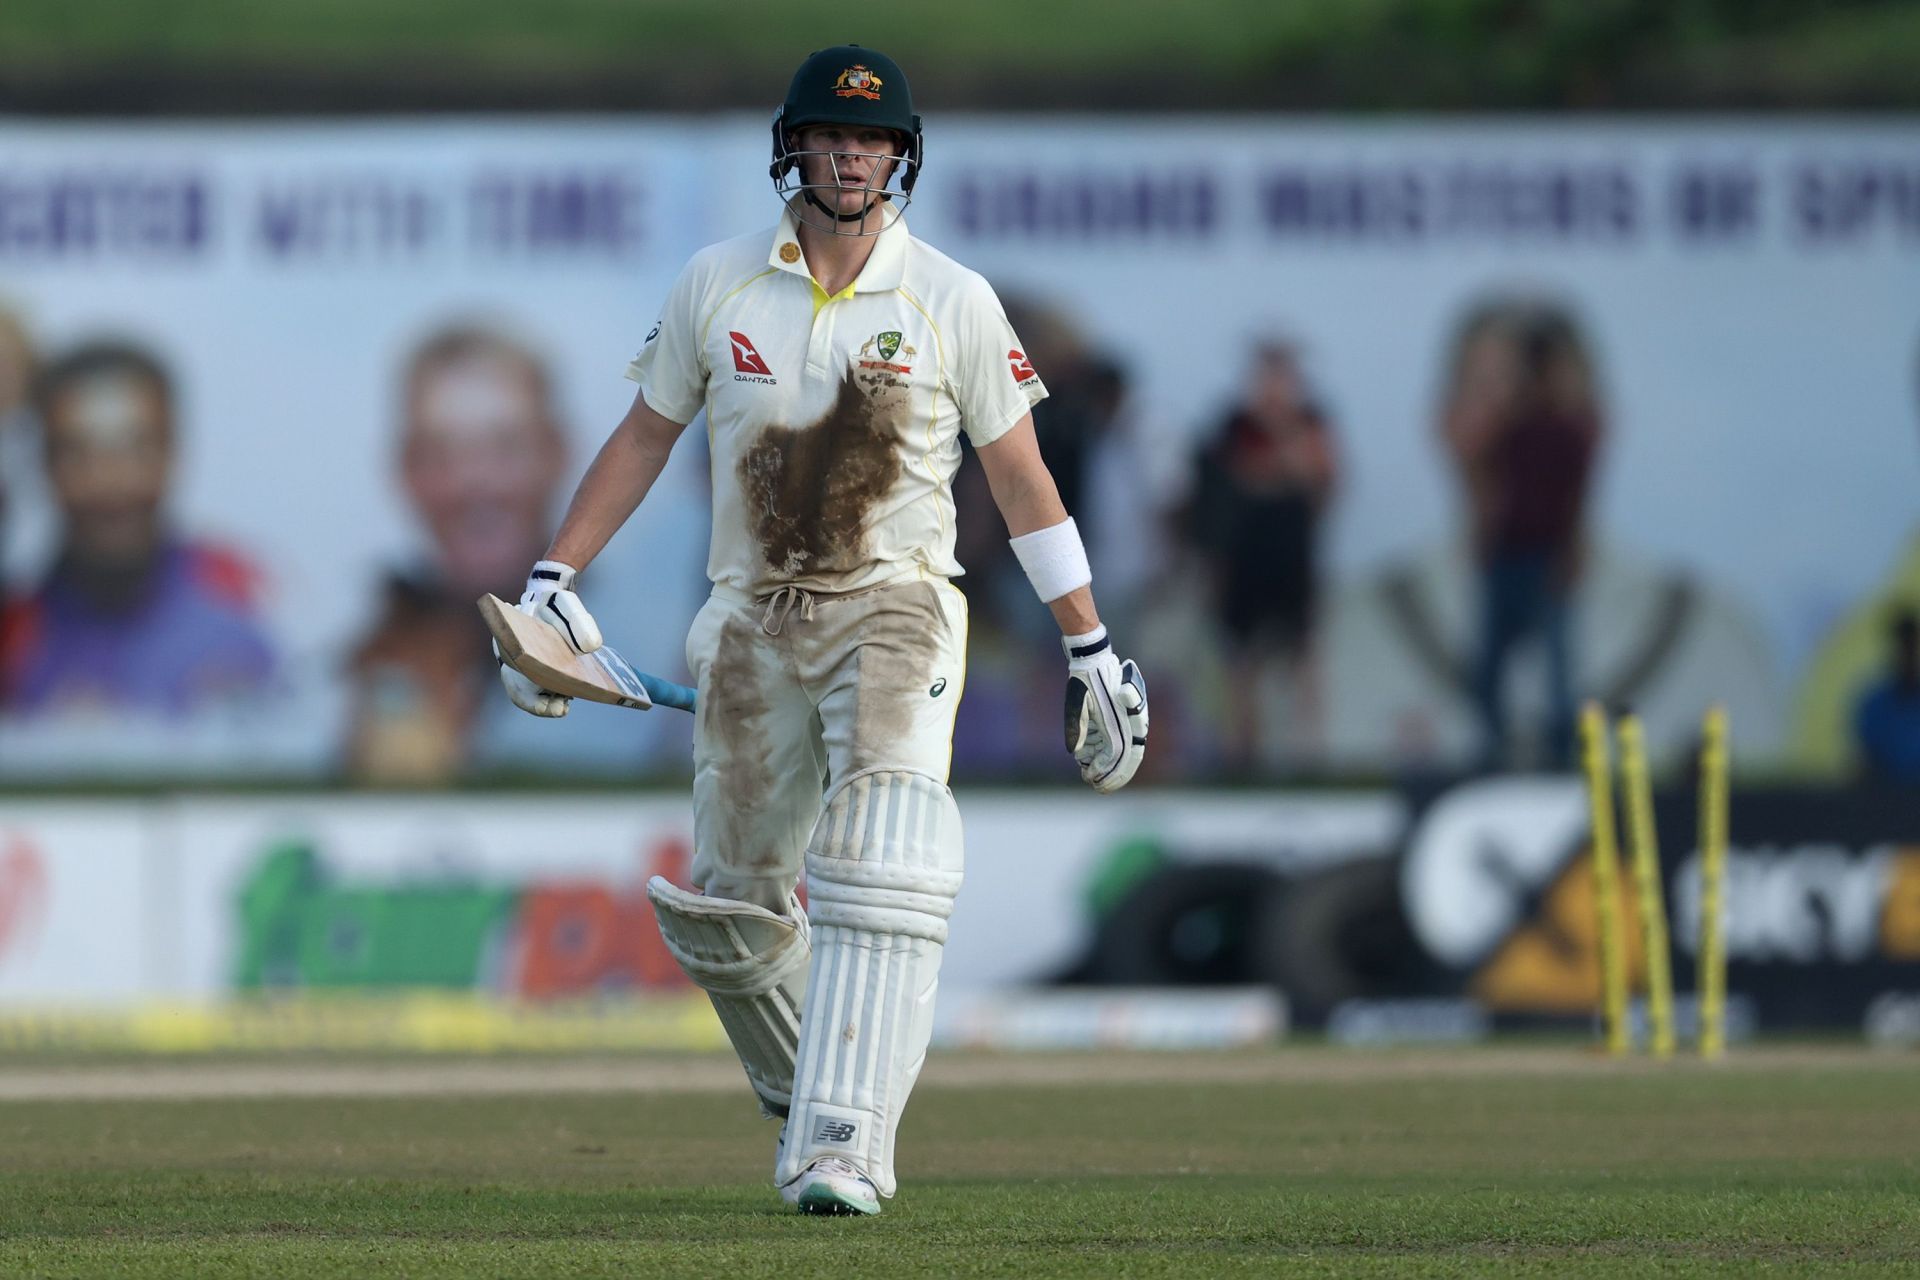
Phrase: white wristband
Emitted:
{"points": [[1054, 559]]}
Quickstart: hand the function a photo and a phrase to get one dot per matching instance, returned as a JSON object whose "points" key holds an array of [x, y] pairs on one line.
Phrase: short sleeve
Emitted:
{"points": [[993, 381], [671, 373]]}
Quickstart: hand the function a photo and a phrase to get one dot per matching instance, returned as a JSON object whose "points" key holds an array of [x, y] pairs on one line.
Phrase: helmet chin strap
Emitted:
{"points": [[806, 193]]}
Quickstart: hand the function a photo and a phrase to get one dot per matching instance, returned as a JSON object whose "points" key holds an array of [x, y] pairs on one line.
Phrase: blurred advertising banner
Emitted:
{"points": [[417, 924], [1374, 912], [524, 901], [1346, 411], [1822, 915], [203, 898], [79, 888]]}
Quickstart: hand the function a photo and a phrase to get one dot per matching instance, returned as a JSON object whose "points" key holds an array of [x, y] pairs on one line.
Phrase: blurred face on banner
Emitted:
{"points": [[1523, 364], [109, 440], [481, 461], [1279, 393], [1488, 377], [1517, 368]]}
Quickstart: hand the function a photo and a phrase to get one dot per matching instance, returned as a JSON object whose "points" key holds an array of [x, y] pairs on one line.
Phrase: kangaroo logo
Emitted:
{"points": [[745, 358]]}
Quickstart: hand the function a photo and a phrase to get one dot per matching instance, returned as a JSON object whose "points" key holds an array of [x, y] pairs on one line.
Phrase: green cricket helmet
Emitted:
{"points": [[846, 85]]}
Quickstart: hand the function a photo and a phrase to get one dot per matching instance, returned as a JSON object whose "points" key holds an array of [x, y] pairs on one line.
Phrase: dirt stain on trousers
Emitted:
{"points": [[734, 711], [895, 647]]}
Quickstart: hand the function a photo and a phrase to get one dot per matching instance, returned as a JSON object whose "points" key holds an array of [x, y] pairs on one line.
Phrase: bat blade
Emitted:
{"points": [[538, 652]]}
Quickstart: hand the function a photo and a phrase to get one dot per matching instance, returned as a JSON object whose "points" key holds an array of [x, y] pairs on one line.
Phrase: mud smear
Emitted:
{"points": [[897, 646], [734, 714], [809, 490]]}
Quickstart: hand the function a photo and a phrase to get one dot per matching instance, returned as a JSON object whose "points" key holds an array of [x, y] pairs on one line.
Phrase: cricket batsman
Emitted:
{"points": [[838, 360]]}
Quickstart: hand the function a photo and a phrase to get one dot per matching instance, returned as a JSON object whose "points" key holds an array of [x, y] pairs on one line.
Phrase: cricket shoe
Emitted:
{"points": [[831, 1186]]}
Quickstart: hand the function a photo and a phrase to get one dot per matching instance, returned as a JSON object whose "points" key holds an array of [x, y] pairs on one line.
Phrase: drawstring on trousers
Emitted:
{"points": [[783, 600]]}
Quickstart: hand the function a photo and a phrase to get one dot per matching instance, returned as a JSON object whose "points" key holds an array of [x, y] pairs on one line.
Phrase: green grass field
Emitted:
{"points": [[1203, 55], [1797, 1165]]}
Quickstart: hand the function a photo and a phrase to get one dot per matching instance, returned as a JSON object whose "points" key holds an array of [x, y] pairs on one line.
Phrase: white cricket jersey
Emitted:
{"points": [[833, 422]]}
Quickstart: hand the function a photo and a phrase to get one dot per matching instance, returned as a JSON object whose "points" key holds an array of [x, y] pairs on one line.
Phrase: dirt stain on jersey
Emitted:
{"points": [[810, 490]]}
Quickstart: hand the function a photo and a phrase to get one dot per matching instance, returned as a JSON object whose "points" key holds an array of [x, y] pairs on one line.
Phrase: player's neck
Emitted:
{"points": [[835, 261]]}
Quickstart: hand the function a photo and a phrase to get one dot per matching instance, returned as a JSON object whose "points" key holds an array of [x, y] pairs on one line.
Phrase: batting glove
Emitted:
{"points": [[527, 695], [550, 598], [1106, 712]]}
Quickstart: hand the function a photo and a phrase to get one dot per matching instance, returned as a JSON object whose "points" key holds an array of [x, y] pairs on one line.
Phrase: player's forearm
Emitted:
{"points": [[1022, 487], [1075, 613], [621, 475], [1029, 502], [1075, 610]]}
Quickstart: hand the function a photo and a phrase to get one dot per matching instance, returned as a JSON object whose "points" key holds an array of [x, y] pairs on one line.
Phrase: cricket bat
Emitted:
{"points": [[543, 656]]}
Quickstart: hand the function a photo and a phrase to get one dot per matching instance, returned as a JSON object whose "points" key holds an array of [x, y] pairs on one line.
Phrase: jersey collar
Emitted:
{"points": [[885, 268]]}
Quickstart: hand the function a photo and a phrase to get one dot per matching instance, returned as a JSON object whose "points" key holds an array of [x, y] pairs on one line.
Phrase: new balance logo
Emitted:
{"points": [[835, 1131], [748, 366]]}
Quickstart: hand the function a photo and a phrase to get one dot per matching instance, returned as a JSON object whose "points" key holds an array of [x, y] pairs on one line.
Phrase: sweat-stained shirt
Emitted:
{"points": [[833, 422]]}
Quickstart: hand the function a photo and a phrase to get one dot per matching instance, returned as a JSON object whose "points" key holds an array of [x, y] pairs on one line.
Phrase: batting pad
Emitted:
{"points": [[882, 871], [753, 966]]}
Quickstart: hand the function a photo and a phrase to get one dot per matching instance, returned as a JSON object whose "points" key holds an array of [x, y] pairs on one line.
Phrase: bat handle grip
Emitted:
{"points": [[665, 693]]}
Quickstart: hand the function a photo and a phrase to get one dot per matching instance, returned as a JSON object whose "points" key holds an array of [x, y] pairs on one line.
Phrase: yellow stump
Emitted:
{"points": [[1646, 885], [1712, 956], [1606, 878]]}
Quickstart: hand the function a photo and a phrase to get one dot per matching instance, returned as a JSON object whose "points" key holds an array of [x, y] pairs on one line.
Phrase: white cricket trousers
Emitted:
{"points": [[798, 689]]}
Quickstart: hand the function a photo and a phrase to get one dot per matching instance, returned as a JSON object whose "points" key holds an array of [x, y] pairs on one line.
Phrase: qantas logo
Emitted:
{"points": [[1022, 367], [748, 366]]}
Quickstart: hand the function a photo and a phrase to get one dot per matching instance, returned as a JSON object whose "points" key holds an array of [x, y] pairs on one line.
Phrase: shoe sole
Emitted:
{"points": [[825, 1201]]}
